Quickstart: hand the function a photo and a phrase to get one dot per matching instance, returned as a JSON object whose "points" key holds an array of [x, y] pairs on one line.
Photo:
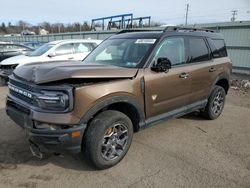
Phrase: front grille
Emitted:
{"points": [[21, 85], [16, 86], [23, 98]]}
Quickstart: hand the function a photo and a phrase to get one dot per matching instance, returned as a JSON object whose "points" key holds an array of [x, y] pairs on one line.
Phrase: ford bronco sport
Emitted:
{"points": [[130, 81]]}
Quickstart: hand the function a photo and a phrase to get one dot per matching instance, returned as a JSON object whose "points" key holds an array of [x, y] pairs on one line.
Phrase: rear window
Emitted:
{"points": [[219, 49]]}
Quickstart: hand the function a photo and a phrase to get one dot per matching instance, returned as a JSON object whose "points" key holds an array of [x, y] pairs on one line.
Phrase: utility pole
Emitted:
{"points": [[187, 7], [234, 13]]}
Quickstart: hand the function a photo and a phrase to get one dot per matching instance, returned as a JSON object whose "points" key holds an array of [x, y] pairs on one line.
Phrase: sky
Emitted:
{"points": [[164, 11]]}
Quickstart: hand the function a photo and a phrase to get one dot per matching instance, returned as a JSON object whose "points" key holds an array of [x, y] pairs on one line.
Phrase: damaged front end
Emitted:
{"points": [[43, 100], [45, 112]]}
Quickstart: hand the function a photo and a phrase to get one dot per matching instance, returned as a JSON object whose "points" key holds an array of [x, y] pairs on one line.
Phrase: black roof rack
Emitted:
{"points": [[178, 28], [167, 29], [137, 30]]}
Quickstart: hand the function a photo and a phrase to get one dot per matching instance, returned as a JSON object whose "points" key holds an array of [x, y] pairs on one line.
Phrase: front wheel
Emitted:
{"points": [[108, 138], [215, 104]]}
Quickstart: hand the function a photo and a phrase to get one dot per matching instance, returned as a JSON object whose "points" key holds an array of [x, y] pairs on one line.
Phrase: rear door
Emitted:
{"points": [[168, 91], [201, 68]]}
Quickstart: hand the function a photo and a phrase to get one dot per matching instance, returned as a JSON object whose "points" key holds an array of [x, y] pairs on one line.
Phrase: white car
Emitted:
{"points": [[52, 51]]}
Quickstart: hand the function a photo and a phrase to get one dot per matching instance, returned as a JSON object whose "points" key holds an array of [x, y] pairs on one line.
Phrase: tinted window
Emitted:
{"points": [[64, 49], [198, 50], [83, 47], [220, 48], [173, 49]]}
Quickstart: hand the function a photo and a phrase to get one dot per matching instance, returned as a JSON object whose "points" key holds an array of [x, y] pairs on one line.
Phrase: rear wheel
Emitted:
{"points": [[108, 139], [215, 103]]}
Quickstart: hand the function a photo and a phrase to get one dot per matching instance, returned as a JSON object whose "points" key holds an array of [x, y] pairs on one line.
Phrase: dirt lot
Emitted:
{"points": [[184, 152]]}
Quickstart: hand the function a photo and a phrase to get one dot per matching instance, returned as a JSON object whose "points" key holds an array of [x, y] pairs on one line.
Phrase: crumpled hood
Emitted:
{"points": [[53, 71]]}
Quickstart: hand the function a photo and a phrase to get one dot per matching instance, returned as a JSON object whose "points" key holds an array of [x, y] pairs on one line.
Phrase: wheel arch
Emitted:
{"points": [[125, 104], [223, 81]]}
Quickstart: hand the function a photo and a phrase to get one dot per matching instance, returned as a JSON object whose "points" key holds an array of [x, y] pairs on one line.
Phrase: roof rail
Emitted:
{"points": [[167, 29], [137, 30], [177, 28]]}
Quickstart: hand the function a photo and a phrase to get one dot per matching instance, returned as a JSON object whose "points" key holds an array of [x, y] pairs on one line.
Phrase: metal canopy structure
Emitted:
{"points": [[120, 21]]}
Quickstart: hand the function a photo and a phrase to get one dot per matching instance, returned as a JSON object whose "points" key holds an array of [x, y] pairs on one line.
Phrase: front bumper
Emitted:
{"points": [[48, 141]]}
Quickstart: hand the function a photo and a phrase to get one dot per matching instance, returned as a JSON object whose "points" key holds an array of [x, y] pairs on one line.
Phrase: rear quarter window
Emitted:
{"points": [[198, 50], [218, 48]]}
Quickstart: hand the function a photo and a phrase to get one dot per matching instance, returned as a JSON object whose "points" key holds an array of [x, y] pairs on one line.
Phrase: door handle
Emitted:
{"points": [[212, 69], [70, 58], [183, 75]]}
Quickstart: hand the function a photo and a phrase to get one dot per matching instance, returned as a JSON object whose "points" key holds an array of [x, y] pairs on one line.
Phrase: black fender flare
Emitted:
{"points": [[112, 100], [220, 77]]}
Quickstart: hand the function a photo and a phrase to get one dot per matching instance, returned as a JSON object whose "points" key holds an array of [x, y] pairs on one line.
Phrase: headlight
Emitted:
{"points": [[48, 100]]}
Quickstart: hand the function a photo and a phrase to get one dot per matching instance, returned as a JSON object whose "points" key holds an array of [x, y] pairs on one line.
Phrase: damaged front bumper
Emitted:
{"points": [[65, 140]]}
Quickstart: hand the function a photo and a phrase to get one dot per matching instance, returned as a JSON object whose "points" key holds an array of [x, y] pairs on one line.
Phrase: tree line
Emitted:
{"points": [[50, 27]]}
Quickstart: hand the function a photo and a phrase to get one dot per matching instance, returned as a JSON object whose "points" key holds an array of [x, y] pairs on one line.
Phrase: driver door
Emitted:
{"points": [[64, 52], [167, 91]]}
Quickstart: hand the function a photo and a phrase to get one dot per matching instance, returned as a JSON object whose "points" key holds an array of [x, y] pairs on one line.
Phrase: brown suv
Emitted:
{"points": [[130, 81]]}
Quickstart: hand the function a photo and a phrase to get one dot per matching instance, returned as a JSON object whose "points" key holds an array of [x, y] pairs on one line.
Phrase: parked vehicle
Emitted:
{"points": [[11, 49], [27, 32], [52, 51], [129, 82], [8, 50], [33, 45]]}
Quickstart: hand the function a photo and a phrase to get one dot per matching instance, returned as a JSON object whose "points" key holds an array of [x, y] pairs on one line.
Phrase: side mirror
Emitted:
{"points": [[163, 64], [52, 54]]}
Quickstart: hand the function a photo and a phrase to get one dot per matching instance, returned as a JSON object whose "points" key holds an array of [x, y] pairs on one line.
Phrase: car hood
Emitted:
{"points": [[20, 59], [54, 71]]}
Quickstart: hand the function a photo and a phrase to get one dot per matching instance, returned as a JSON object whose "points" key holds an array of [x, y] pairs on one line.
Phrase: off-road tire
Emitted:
{"points": [[208, 112], [95, 134]]}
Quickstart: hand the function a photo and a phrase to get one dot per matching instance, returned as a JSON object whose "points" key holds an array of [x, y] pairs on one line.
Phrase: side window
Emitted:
{"points": [[220, 48], [174, 49], [64, 49], [83, 47], [198, 50]]}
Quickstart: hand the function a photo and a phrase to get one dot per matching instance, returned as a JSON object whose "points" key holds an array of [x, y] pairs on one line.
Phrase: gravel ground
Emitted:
{"points": [[183, 152]]}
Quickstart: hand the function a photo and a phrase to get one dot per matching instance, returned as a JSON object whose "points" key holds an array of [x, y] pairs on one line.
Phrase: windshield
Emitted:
{"points": [[41, 50], [121, 52]]}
